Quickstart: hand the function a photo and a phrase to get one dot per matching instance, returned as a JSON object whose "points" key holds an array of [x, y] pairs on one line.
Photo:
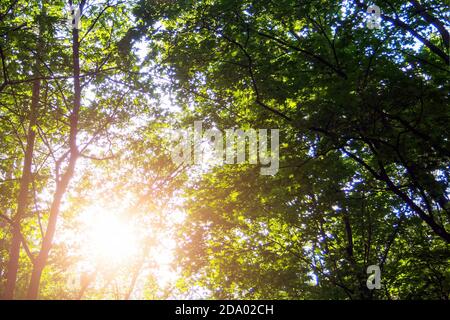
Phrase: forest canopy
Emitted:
{"points": [[328, 121]]}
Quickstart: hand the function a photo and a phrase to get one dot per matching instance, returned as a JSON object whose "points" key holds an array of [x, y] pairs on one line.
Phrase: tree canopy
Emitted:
{"points": [[93, 206]]}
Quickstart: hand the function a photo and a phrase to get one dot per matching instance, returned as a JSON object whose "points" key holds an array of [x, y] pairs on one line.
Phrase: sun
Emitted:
{"points": [[109, 238], [113, 242]]}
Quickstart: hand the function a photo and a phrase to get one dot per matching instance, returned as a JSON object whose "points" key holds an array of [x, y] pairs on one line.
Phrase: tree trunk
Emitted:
{"points": [[23, 199], [27, 175], [62, 184]]}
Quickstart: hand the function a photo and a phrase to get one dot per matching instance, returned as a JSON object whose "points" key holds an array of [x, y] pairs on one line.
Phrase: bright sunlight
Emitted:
{"points": [[109, 238]]}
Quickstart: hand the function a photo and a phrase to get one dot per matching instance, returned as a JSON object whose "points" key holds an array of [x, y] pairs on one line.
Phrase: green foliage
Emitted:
{"points": [[363, 116], [364, 146]]}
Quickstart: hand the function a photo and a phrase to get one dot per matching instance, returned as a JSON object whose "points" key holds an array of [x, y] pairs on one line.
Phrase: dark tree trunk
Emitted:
{"points": [[62, 184], [23, 199]]}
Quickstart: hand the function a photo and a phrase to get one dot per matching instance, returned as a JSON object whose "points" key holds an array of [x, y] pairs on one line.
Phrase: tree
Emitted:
{"points": [[93, 207], [366, 110], [66, 127]]}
